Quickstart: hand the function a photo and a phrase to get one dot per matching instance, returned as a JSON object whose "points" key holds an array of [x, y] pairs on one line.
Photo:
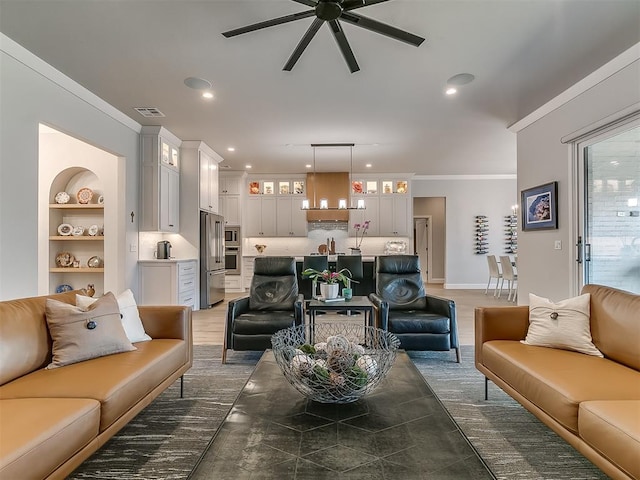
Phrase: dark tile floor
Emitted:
{"points": [[400, 431]]}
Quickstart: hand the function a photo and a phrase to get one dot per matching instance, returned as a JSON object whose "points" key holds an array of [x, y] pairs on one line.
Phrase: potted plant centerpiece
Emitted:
{"points": [[329, 281]]}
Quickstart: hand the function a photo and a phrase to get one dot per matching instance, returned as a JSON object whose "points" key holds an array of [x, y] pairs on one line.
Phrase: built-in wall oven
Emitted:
{"points": [[232, 259], [232, 254]]}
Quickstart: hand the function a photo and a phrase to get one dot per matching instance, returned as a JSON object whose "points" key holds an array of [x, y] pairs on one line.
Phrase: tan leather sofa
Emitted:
{"points": [[593, 403], [52, 420]]}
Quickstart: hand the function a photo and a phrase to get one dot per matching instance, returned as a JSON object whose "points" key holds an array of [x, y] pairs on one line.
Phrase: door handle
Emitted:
{"points": [[579, 250], [587, 252]]}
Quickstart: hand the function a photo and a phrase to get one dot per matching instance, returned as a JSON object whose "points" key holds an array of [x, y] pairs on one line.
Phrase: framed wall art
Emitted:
{"points": [[540, 207]]}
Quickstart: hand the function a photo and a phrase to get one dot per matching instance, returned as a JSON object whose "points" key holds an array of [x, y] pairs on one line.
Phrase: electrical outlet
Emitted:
{"points": [[558, 245], [133, 247]]}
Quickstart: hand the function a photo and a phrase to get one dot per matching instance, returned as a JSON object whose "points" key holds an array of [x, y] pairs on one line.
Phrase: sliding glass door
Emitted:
{"points": [[609, 203]]}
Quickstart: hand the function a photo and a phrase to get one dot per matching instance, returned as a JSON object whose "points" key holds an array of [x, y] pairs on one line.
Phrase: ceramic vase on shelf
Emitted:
{"points": [[329, 290]]}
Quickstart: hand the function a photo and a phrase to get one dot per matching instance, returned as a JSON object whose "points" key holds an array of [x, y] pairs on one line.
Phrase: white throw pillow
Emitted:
{"points": [[128, 309], [564, 325]]}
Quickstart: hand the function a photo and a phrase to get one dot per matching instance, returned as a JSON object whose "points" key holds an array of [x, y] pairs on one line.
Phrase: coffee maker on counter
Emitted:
{"points": [[163, 251]]}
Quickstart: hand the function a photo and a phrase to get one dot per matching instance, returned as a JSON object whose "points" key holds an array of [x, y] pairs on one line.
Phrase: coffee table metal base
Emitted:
{"points": [[400, 431]]}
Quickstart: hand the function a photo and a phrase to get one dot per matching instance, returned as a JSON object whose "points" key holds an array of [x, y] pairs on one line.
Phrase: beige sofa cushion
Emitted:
{"points": [[613, 429], [39, 434], [117, 381], [557, 381], [80, 335]]}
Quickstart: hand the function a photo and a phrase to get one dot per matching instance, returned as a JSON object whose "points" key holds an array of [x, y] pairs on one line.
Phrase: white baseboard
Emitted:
{"points": [[465, 286]]}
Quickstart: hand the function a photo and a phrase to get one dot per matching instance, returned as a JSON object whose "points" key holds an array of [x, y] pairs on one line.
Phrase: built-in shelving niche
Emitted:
{"points": [[67, 164], [82, 247]]}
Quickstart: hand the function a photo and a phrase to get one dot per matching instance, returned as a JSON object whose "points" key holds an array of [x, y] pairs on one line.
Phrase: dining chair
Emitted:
{"points": [[494, 272], [510, 276]]}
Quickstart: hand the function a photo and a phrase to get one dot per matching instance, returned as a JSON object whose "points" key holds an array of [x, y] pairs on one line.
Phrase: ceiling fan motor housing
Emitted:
{"points": [[328, 10]]}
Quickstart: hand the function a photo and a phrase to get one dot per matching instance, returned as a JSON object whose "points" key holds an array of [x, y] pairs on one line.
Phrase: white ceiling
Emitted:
{"points": [[137, 53]]}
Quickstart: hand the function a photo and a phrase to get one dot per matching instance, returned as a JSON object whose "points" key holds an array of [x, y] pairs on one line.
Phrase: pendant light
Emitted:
{"points": [[342, 202]]}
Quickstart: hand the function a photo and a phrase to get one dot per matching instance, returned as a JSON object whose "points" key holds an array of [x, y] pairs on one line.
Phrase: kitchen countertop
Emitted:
{"points": [[332, 258], [168, 260]]}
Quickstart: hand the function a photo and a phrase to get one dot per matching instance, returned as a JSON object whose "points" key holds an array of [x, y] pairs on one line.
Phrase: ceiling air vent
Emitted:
{"points": [[149, 112]]}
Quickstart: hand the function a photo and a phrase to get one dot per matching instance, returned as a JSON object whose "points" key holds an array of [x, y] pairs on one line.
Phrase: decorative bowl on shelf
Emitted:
{"points": [[334, 362]]}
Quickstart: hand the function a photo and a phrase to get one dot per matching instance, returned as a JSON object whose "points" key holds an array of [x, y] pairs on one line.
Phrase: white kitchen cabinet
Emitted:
{"points": [[394, 215], [230, 188], [169, 200], [199, 177], [261, 216], [209, 182], [230, 209], [168, 282], [371, 213], [233, 283], [230, 185], [160, 192], [247, 271], [291, 220]]}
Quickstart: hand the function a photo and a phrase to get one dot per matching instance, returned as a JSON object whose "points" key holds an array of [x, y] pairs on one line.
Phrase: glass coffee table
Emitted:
{"points": [[399, 431]]}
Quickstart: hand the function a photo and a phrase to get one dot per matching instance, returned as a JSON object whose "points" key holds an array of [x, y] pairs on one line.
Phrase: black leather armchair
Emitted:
{"points": [[402, 306], [273, 303]]}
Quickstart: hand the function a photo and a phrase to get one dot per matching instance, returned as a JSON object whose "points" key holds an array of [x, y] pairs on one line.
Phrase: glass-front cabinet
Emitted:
{"points": [[384, 201], [395, 186], [280, 186]]}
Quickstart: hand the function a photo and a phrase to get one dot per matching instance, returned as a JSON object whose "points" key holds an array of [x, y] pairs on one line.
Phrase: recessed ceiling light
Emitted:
{"points": [[461, 79], [247, 166], [450, 91], [231, 149], [207, 95], [368, 165], [197, 83]]}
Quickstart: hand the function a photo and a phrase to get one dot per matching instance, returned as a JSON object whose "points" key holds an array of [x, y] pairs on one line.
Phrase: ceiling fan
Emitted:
{"points": [[331, 11]]}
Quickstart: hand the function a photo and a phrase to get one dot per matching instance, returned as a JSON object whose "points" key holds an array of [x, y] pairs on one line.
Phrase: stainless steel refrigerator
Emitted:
{"points": [[211, 259]]}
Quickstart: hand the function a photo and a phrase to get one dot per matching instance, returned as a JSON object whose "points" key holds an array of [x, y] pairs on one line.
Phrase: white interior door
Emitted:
{"points": [[421, 242]]}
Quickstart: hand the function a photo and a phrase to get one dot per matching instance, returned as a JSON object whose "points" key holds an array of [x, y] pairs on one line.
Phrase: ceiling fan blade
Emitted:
{"points": [[269, 23], [308, 3], [345, 48], [304, 42], [382, 28], [353, 4]]}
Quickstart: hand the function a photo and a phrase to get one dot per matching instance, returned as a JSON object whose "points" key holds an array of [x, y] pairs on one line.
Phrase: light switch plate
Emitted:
{"points": [[558, 245], [133, 247]]}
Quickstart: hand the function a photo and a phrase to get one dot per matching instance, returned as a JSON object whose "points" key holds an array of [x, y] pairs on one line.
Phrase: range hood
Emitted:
{"points": [[332, 186]]}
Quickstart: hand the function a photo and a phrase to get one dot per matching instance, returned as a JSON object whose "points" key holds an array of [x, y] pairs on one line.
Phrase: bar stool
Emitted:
{"points": [[317, 262], [353, 263]]}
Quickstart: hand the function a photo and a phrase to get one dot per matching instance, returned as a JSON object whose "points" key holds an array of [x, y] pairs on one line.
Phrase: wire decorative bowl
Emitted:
{"points": [[334, 362]]}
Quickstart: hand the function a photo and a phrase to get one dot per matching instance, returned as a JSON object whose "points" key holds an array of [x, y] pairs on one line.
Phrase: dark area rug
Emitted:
{"points": [[166, 439]]}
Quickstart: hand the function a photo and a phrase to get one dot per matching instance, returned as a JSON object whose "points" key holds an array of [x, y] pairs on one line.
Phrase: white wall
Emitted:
{"points": [[32, 92], [542, 158], [467, 197]]}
